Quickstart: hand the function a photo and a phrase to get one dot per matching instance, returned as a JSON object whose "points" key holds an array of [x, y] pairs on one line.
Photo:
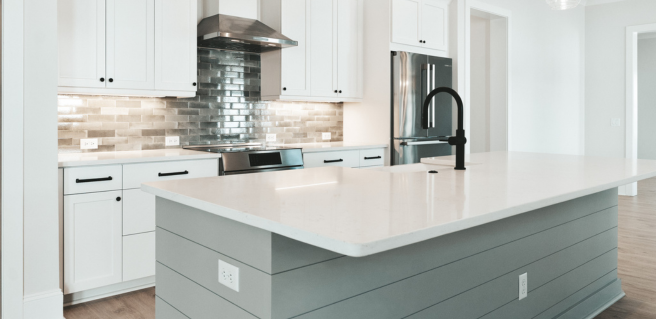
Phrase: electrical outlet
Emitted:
{"points": [[89, 144], [523, 286], [271, 137], [172, 140], [615, 122], [326, 136], [228, 275]]}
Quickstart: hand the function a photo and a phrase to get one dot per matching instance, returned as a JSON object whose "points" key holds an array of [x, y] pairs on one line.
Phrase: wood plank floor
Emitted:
{"points": [[637, 269]]}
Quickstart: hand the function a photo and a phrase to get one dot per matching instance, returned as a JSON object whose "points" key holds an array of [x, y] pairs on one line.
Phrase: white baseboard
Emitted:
{"points": [[47, 305], [108, 291]]}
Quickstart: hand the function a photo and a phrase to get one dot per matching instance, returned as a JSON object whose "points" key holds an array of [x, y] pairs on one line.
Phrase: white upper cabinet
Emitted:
{"points": [[127, 47], [175, 45], [131, 44], [323, 29], [421, 23], [81, 33], [328, 58], [295, 66], [349, 48]]}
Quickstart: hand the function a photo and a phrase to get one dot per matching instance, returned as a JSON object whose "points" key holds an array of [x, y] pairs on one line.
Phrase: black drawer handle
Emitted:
{"points": [[333, 161], [173, 174], [375, 157], [91, 180]]}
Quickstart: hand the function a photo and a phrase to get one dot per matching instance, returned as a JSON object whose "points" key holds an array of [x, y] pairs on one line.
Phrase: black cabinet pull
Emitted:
{"points": [[284, 89], [91, 180], [375, 157], [335, 91], [173, 174], [118, 199], [102, 79], [340, 91], [333, 161], [111, 80], [194, 84]]}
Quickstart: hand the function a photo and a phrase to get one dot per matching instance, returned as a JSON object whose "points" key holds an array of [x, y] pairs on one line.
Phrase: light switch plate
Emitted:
{"points": [[615, 122], [89, 144], [326, 136], [271, 137], [523, 286], [172, 140], [229, 275]]}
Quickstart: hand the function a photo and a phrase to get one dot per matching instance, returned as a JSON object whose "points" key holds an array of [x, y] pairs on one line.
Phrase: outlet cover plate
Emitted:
{"points": [[229, 275], [523, 286], [172, 140], [326, 136], [271, 137], [89, 144]]}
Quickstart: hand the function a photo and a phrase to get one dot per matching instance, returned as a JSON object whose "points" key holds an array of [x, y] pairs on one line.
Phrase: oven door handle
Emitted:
{"points": [[423, 143]]}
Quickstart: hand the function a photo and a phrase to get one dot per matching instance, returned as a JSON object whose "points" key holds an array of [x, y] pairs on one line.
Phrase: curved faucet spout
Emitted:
{"points": [[459, 140]]}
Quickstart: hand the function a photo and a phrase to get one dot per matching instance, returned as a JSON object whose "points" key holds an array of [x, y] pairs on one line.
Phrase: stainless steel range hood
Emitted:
{"points": [[240, 34]]}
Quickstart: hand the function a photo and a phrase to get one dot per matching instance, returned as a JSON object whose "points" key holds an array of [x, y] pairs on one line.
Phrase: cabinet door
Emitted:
{"points": [[81, 32], [323, 30], [138, 212], [93, 241], [349, 46], [175, 45], [295, 67], [138, 256], [434, 24], [131, 44], [406, 24]]}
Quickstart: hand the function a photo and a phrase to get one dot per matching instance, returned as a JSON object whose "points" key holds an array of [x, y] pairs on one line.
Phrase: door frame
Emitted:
{"points": [[631, 143], [11, 185], [464, 54]]}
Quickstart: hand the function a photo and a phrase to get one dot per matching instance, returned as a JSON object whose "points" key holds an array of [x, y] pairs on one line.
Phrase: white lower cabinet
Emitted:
{"points": [[138, 212], [92, 240], [138, 256], [348, 158]]}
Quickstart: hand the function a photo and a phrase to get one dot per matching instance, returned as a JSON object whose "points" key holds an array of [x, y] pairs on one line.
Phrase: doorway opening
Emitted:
{"points": [[487, 77], [634, 80]]}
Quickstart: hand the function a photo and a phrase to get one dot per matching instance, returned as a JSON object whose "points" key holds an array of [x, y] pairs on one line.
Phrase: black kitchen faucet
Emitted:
{"points": [[459, 140]]}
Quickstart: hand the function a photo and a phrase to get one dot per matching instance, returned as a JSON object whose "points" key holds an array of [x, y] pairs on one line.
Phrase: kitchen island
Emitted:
{"points": [[396, 242]]}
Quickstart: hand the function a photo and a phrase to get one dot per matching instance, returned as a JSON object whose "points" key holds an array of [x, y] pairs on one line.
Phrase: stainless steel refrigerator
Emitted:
{"points": [[413, 77]]}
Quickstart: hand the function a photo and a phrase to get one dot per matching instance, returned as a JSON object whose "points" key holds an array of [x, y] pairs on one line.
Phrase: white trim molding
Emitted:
{"points": [[631, 142], [12, 183], [43, 305]]}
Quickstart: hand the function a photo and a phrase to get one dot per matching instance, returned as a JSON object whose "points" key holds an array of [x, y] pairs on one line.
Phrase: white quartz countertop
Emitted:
{"points": [[109, 158], [333, 146], [360, 212]]}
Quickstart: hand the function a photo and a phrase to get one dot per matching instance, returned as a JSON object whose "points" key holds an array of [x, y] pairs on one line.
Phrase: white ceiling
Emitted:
{"points": [[596, 2]]}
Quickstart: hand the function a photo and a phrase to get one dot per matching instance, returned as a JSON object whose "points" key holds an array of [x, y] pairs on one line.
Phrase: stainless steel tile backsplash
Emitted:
{"points": [[226, 109]]}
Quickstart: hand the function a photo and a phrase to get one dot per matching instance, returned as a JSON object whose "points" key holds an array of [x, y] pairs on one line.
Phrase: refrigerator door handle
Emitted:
{"points": [[433, 71], [429, 70], [423, 143]]}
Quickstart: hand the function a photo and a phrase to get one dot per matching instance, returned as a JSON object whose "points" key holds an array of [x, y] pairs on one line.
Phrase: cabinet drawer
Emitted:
{"points": [[138, 212], [92, 179], [135, 174], [138, 256], [373, 157], [339, 158]]}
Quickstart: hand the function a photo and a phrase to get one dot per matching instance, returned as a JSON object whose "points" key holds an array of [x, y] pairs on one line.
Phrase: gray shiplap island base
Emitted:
{"points": [[569, 251]]}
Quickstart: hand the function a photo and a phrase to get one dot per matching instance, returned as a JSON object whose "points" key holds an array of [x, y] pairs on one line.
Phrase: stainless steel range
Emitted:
{"points": [[249, 158]]}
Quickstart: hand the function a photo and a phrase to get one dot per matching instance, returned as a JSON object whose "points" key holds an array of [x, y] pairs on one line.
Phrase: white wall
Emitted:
{"points": [[647, 98], [480, 90], [606, 71], [43, 298], [547, 68]]}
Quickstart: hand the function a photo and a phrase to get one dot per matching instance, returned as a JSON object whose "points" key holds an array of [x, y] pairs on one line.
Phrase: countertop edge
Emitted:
{"points": [[137, 160], [370, 248], [341, 148]]}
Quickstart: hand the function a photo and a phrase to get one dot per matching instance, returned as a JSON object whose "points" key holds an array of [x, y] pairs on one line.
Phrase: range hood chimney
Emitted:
{"points": [[240, 34]]}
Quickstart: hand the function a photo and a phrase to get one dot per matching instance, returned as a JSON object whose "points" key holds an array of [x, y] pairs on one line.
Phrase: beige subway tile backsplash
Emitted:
{"points": [[226, 109]]}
